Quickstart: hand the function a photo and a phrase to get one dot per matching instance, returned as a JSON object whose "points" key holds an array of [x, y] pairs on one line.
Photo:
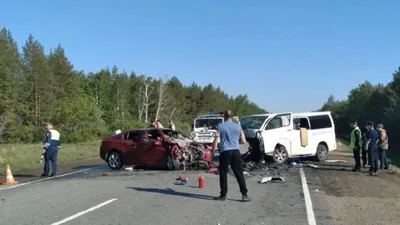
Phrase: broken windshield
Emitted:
{"points": [[252, 122]]}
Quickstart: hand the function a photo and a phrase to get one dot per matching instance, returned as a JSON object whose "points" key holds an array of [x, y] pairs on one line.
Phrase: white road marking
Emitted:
{"points": [[84, 212], [307, 198], [48, 178]]}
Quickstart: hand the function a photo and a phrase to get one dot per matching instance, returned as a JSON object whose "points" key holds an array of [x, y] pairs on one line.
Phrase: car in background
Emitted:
{"points": [[205, 128], [158, 148]]}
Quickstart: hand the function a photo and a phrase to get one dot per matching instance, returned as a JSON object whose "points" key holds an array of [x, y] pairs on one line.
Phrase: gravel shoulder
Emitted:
{"points": [[357, 198]]}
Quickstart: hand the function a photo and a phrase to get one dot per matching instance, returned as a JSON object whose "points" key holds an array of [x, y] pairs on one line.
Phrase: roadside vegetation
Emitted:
{"points": [[379, 103], [38, 86], [27, 156]]}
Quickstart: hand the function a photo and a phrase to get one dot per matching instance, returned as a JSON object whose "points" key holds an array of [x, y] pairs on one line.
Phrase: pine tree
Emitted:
{"points": [[38, 86]]}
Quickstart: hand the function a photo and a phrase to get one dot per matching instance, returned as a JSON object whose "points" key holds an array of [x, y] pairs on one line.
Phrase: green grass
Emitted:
{"points": [[393, 155], [27, 156]]}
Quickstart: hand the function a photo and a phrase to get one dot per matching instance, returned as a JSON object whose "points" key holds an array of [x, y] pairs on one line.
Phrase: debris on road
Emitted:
{"points": [[213, 170], [129, 169], [312, 165], [335, 161], [181, 180], [246, 173], [273, 179]]}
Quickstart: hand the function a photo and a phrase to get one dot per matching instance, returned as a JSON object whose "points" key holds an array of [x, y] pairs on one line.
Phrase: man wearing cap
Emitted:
{"points": [[383, 145], [372, 146], [228, 135], [356, 144], [50, 149]]}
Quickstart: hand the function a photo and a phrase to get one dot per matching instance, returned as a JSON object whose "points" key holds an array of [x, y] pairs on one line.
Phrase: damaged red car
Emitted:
{"points": [[156, 148]]}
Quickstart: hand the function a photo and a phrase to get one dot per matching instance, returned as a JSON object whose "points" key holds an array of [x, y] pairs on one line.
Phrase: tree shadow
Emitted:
{"points": [[24, 175], [169, 191], [87, 167]]}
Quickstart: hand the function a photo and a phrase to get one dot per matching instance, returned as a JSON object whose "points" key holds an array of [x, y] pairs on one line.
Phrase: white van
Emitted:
{"points": [[287, 135]]}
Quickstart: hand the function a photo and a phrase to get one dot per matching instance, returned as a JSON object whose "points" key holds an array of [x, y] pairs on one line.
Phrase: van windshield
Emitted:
{"points": [[210, 123], [252, 122]]}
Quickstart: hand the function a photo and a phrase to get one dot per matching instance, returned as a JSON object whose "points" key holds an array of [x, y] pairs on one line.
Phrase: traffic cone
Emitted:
{"points": [[9, 177]]}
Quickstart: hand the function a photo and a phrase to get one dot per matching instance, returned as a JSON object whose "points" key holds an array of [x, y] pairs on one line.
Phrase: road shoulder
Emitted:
{"points": [[35, 174], [356, 197]]}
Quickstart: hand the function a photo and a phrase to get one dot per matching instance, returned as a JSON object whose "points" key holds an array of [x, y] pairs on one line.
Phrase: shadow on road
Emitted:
{"points": [[336, 165], [333, 169], [169, 191], [24, 175], [87, 167]]}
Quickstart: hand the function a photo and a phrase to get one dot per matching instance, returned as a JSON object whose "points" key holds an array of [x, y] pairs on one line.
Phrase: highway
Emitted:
{"points": [[98, 196]]}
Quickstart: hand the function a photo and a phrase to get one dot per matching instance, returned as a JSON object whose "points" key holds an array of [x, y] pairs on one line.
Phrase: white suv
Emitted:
{"points": [[287, 135]]}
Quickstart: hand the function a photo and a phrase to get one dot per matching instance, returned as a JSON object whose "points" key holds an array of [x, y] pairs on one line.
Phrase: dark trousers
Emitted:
{"points": [[364, 153], [383, 159], [50, 156], [373, 156], [356, 154], [233, 158]]}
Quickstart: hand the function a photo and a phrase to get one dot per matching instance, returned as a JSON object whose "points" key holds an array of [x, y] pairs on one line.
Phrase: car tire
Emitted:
{"points": [[322, 153], [280, 155], [114, 160], [171, 163]]}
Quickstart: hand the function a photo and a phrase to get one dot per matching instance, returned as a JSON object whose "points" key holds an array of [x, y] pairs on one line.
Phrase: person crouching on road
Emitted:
{"points": [[50, 149], [228, 135], [383, 146], [372, 146], [356, 144], [364, 150]]}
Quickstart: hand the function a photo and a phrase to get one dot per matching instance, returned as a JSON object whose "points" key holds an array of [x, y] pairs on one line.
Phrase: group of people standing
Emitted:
{"points": [[372, 144]]}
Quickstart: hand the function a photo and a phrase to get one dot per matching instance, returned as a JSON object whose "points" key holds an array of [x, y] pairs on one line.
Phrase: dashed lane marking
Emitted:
{"points": [[84, 212]]}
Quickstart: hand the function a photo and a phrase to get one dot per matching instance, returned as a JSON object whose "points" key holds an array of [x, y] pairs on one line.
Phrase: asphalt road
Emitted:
{"points": [[98, 196]]}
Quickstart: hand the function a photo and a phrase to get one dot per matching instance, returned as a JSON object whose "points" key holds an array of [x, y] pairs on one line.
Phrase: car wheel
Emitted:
{"points": [[322, 153], [171, 163], [280, 155], [114, 160]]}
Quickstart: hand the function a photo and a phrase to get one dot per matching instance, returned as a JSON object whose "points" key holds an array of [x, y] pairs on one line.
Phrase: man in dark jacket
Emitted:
{"points": [[364, 151], [372, 146]]}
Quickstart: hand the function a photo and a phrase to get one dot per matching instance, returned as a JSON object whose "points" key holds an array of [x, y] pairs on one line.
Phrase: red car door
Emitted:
{"points": [[131, 148], [155, 155], [130, 152]]}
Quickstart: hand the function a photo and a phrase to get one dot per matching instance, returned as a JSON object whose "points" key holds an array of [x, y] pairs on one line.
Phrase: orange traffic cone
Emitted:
{"points": [[9, 177]]}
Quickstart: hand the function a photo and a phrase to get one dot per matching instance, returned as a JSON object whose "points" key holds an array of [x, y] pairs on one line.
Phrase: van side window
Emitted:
{"points": [[320, 122], [278, 122], [300, 123]]}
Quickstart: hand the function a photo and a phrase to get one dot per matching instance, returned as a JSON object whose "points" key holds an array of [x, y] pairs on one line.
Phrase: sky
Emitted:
{"points": [[287, 56]]}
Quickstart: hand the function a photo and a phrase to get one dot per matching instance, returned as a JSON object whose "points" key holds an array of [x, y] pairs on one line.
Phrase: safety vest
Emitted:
{"points": [[353, 138]]}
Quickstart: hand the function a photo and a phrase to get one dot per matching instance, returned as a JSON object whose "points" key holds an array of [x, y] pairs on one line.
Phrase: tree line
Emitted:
{"points": [[379, 103], [36, 86]]}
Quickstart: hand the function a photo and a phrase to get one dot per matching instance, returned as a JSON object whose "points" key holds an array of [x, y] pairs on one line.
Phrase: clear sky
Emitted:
{"points": [[286, 55]]}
